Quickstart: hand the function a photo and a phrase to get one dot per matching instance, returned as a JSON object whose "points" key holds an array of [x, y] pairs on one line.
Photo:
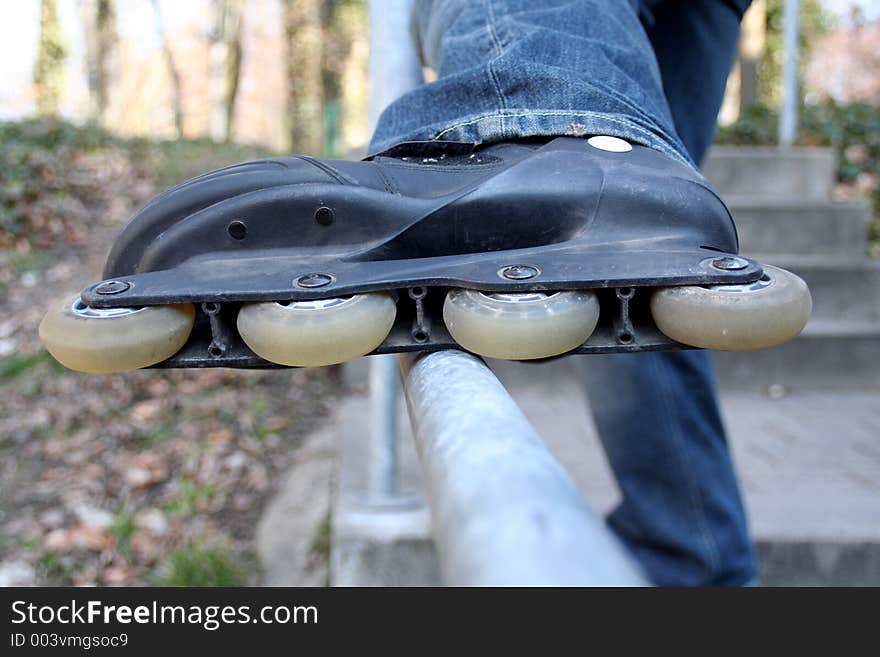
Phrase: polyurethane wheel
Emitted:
{"points": [[105, 340], [320, 332], [766, 313], [520, 326]]}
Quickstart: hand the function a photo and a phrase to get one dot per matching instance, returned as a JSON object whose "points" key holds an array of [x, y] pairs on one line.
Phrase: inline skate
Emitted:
{"points": [[521, 250]]}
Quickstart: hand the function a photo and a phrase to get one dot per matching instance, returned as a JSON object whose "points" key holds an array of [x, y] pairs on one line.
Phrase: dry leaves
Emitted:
{"points": [[102, 477]]}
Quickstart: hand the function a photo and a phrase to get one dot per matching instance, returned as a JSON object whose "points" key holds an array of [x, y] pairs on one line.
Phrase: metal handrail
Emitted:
{"points": [[788, 115], [394, 70], [503, 511]]}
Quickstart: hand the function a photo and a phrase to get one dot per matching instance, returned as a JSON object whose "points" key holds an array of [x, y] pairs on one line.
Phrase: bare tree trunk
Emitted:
{"points": [[99, 21], [176, 92], [51, 56], [302, 31], [336, 40], [234, 55], [225, 61]]}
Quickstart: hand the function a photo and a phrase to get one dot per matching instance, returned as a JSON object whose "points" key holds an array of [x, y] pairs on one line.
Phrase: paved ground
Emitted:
{"points": [[294, 531], [809, 464]]}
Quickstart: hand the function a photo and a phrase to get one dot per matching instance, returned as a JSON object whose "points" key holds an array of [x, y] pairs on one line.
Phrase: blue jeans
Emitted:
{"points": [[652, 72]]}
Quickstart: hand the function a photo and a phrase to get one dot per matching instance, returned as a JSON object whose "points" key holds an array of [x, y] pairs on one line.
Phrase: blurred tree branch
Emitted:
{"points": [[226, 52], [813, 22], [340, 22], [303, 67], [99, 23], [173, 73], [51, 57]]}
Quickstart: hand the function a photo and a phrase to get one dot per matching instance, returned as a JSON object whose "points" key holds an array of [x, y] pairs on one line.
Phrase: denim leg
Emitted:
{"points": [[695, 45], [657, 414], [509, 69], [681, 512]]}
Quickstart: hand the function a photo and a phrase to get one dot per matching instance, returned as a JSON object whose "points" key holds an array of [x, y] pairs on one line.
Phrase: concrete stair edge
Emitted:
{"points": [[773, 152], [772, 172], [802, 226]]}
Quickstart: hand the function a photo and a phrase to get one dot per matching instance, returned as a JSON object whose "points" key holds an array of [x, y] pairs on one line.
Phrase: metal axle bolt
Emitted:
{"points": [[730, 263], [324, 215], [519, 272], [314, 280], [112, 287]]}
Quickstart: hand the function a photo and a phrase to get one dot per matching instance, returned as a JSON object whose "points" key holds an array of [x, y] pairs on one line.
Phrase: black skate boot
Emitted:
{"points": [[514, 250]]}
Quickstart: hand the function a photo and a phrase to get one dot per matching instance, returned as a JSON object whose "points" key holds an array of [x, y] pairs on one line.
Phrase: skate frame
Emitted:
{"points": [[625, 325]]}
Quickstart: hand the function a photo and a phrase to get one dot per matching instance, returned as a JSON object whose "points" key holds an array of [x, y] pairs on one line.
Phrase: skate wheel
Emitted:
{"points": [[520, 326], [766, 313], [105, 340], [315, 333]]}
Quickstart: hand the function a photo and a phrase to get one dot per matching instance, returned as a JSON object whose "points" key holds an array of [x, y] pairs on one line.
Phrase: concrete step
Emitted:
{"points": [[801, 226], [846, 289], [819, 563], [771, 172], [809, 464], [828, 355]]}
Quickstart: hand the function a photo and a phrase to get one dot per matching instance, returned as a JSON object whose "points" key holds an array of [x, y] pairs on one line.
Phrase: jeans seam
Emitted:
{"points": [[526, 113], [632, 131], [490, 25], [646, 135], [696, 505]]}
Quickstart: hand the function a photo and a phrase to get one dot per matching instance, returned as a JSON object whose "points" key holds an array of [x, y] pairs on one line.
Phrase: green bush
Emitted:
{"points": [[202, 566], [41, 184], [173, 161], [54, 134], [756, 126], [826, 124], [54, 174], [853, 130]]}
